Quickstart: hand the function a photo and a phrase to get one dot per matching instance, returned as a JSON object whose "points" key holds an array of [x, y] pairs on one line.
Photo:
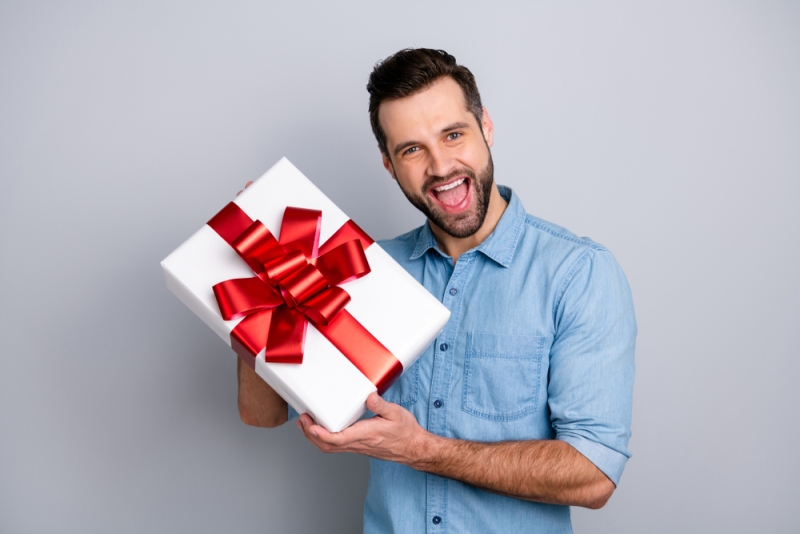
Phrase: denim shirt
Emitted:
{"points": [[539, 345]]}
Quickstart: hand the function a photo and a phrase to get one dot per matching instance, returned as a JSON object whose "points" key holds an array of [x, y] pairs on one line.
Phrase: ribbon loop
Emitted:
{"points": [[344, 263], [257, 246], [300, 230], [243, 296], [323, 307]]}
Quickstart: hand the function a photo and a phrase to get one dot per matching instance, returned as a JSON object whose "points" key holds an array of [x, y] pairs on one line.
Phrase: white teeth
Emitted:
{"points": [[449, 186]]}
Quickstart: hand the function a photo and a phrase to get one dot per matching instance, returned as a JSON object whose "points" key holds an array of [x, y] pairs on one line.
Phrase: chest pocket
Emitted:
{"points": [[502, 375]]}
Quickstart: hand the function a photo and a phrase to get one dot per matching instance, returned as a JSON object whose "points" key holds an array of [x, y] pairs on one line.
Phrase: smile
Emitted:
{"points": [[453, 197]]}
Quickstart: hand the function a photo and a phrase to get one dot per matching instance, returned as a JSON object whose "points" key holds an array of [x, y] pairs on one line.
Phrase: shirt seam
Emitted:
{"points": [[554, 233], [570, 275]]}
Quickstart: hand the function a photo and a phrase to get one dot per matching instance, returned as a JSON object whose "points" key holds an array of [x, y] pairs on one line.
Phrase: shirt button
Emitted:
{"points": [[438, 403], [443, 347], [436, 520], [453, 291]]}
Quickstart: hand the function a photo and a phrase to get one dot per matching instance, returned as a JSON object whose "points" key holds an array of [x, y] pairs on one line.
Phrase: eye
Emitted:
{"points": [[452, 136], [411, 150]]}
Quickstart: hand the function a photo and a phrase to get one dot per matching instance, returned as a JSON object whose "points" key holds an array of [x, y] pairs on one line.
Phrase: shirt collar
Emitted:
{"points": [[501, 243]]}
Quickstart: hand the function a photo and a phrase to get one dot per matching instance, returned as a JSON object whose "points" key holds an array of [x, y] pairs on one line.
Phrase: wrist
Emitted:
{"points": [[427, 451]]}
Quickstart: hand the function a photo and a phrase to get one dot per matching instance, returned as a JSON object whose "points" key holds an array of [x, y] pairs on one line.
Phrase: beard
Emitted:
{"points": [[459, 225]]}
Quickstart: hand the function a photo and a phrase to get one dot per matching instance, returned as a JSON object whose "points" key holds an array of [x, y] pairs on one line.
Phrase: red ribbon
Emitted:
{"points": [[296, 282]]}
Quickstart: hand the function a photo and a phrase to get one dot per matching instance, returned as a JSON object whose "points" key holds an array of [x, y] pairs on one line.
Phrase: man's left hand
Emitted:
{"points": [[392, 434]]}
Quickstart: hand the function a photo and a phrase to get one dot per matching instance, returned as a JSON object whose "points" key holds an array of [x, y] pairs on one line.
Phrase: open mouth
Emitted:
{"points": [[453, 196]]}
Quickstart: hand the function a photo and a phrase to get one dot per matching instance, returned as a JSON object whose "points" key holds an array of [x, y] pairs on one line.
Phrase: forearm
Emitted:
{"points": [[259, 404], [547, 471]]}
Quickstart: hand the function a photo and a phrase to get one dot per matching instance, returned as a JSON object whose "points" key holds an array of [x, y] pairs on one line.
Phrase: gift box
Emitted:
{"points": [[305, 297]]}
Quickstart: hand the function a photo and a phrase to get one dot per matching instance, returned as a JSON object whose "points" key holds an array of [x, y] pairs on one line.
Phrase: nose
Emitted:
{"points": [[440, 162]]}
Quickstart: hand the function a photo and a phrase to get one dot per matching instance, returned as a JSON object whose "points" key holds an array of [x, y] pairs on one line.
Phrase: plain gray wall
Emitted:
{"points": [[669, 132]]}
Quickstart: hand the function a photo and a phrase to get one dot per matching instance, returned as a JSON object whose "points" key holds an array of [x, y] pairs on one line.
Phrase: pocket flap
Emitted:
{"points": [[515, 346]]}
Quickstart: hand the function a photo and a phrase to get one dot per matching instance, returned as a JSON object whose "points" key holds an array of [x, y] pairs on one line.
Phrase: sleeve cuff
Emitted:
{"points": [[292, 413], [607, 460]]}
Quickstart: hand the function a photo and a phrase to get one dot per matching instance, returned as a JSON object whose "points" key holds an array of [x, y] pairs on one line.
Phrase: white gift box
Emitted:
{"points": [[388, 302]]}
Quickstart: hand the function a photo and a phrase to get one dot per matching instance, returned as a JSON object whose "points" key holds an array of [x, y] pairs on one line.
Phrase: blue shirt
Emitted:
{"points": [[539, 345]]}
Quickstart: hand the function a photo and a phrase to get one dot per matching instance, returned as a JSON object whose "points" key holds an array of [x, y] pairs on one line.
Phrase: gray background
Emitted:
{"points": [[669, 132]]}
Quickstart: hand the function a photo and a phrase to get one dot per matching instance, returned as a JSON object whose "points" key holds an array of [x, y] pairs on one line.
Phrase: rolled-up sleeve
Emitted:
{"points": [[590, 391]]}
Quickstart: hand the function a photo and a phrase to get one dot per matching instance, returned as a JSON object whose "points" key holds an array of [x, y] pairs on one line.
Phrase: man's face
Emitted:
{"points": [[440, 157]]}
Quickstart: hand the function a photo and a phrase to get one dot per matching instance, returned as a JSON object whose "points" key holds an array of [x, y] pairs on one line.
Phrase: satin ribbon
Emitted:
{"points": [[297, 282]]}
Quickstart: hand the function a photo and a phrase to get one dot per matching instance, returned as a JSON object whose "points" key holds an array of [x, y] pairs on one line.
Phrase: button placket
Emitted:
{"points": [[440, 386]]}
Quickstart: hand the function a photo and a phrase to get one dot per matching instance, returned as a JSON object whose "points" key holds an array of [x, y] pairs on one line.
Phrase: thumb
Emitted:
{"points": [[377, 405]]}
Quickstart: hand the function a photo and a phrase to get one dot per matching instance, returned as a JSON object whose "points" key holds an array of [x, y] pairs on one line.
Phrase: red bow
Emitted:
{"points": [[296, 283]]}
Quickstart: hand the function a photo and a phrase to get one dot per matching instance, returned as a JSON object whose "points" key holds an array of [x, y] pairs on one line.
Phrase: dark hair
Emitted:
{"points": [[410, 71]]}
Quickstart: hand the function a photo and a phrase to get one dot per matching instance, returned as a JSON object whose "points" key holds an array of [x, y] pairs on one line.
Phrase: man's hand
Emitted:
{"points": [[549, 471], [392, 434]]}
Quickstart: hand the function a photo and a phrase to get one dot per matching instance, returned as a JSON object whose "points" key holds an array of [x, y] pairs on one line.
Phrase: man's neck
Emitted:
{"points": [[456, 246]]}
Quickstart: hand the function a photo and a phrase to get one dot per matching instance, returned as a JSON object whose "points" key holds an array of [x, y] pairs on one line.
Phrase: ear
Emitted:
{"points": [[488, 128], [387, 164]]}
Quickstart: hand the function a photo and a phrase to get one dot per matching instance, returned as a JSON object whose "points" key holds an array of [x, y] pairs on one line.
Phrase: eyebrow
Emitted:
{"points": [[449, 128]]}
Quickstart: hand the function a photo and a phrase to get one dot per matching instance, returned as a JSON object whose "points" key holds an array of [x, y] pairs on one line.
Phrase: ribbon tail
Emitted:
{"points": [[287, 336], [230, 222], [363, 350]]}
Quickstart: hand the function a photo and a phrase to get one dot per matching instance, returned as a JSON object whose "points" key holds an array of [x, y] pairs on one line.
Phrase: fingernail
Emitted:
{"points": [[314, 433]]}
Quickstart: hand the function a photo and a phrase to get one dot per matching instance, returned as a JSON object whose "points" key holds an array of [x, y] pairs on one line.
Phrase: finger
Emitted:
{"points": [[317, 432], [308, 427], [248, 184], [305, 420], [347, 438], [324, 440], [239, 193]]}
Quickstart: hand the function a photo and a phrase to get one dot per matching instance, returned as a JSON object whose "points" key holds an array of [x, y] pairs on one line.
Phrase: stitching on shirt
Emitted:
{"points": [[487, 355], [454, 316], [540, 352], [554, 233], [471, 355], [445, 484], [570, 275]]}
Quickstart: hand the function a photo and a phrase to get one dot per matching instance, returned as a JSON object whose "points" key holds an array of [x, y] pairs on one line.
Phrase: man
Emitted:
{"points": [[522, 406]]}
